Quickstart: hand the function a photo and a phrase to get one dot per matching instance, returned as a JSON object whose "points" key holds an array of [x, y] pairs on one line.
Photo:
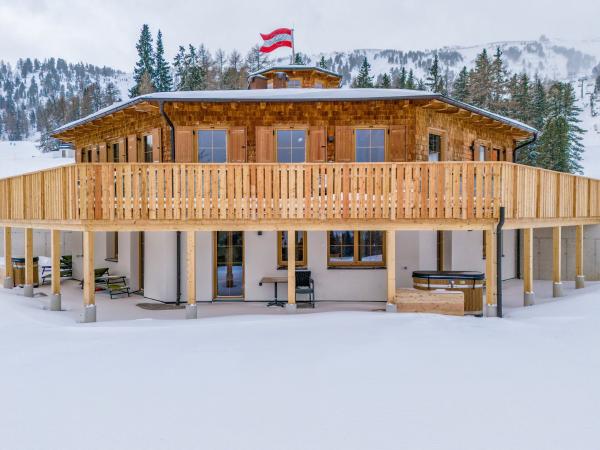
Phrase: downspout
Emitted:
{"points": [[499, 247], [178, 233], [518, 244]]}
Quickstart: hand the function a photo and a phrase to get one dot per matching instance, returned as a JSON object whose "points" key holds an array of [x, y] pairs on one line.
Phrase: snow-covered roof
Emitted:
{"points": [[291, 95], [295, 67]]}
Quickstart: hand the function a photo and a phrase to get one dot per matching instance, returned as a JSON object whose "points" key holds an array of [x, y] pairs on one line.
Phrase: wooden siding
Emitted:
{"points": [[313, 195], [461, 129]]}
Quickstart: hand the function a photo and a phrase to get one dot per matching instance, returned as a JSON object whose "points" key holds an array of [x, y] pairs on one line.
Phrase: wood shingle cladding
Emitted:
{"points": [[330, 129]]}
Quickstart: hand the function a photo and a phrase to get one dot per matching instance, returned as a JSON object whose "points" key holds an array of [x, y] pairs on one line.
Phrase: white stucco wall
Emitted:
{"points": [[467, 252]]}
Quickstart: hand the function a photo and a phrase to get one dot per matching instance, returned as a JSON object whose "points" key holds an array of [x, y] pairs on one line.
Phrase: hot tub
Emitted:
{"points": [[470, 283]]}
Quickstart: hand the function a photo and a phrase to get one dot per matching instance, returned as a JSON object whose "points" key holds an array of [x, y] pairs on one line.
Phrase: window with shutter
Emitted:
{"points": [[398, 148], [344, 150], [132, 150], [184, 145], [156, 147], [317, 146], [237, 145], [265, 145]]}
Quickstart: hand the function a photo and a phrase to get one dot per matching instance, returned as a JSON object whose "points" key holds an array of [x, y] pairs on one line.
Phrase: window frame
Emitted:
{"points": [[197, 131], [281, 264], [386, 132], [356, 263], [144, 152], [215, 290], [443, 134], [278, 128], [299, 80]]}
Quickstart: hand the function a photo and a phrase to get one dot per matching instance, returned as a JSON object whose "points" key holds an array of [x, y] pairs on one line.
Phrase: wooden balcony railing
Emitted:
{"points": [[154, 193]]}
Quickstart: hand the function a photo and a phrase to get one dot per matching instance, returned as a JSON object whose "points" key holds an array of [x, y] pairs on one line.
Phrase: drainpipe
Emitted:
{"points": [[524, 144], [178, 233], [499, 262]]}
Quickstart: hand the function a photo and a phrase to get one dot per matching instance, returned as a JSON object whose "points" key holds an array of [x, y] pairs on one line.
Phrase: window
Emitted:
{"points": [[229, 264], [318, 85], [147, 142], [291, 146], [115, 152], [356, 248], [482, 150], [435, 147], [212, 146], [370, 145], [294, 83], [282, 248], [112, 246]]}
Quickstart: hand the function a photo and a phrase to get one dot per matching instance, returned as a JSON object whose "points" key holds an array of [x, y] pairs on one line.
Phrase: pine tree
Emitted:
{"points": [[538, 106], [523, 100], [499, 84], [400, 80], [145, 63], [163, 81], [421, 85], [364, 78], [481, 81], [435, 81], [460, 88], [385, 82], [323, 63], [410, 80], [560, 146], [298, 59]]}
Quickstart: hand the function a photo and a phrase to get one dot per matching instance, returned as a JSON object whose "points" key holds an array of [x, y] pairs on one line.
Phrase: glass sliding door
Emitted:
{"points": [[229, 264]]}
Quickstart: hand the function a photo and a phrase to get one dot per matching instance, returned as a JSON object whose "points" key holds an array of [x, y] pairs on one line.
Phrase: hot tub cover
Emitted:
{"points": [[448, 275]]}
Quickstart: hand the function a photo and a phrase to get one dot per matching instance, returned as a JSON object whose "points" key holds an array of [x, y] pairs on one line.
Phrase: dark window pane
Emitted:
{"points": [[219, 155], [362, 155], [377, 138], [362, 138], [378, 154], [284, 155], [298, 155]]}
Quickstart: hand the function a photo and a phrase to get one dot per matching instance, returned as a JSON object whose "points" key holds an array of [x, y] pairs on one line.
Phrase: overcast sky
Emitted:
{"points": [[105, 32]]}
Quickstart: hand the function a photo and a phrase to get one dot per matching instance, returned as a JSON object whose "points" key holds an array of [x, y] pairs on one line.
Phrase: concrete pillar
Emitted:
{"points": [[579, 274], [528, 293], [55, 296], [9, 282], [557, 287], [490, 273], [291, 266], [28, 285], [191, 309], [89, 285], [390, 254]]}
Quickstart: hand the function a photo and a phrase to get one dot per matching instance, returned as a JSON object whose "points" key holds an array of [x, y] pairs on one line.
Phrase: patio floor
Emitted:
{"points": [[125, 308]]}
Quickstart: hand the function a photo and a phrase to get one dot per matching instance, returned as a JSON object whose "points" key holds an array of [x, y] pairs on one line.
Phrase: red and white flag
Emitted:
{"points": [[281, 37]]}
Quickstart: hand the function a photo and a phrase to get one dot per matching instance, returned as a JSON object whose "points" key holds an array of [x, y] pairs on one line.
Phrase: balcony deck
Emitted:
{"points": [[171, 196]]}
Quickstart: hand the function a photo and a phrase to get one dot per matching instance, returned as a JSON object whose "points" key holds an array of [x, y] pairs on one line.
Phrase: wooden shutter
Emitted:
{"points": [[132, 148], [122, 150], [236, 153], [317, 145], [397, 148], [156, 147], [344, 144], [79, 154], [102, 157], [265, 145], [184, 145], [109, 153]]}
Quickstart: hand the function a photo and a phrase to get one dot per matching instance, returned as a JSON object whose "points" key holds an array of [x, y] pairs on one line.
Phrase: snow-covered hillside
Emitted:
{"points": [[23, 157]]}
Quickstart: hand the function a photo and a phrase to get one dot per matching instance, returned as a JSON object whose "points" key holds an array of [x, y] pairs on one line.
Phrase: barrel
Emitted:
{"points": [[470, 283], [19, 271]]}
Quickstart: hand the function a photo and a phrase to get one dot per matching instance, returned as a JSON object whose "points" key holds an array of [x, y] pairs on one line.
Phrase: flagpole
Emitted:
{"points": [[293, 52]]}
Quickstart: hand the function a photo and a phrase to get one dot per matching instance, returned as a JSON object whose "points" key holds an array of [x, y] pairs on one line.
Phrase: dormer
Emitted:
{"points": [[294, 76]]}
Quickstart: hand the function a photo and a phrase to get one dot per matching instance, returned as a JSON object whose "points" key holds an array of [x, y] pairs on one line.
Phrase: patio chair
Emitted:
{"points": [[305, 285], [99, 277], [66, 269]]}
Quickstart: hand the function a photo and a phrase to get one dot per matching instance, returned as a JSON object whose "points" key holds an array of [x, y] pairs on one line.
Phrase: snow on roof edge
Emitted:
{"points": [[292, 95]]}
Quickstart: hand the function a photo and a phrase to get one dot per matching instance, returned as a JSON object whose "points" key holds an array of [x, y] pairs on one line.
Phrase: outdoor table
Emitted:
{"points": [[275, 281]]}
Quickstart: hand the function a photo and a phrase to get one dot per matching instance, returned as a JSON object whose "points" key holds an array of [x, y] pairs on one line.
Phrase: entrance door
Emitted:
{"points": [[229, 264]]}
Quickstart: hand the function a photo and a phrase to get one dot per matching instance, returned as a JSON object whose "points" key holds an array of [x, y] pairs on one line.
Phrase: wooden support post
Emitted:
{"points": [[291, 241], [528, 293], [557, 290], [55, 298], [390, 254], [490, 272], [9, 281], [28, 285], [89, 284], [191, 309], [579, 275]]}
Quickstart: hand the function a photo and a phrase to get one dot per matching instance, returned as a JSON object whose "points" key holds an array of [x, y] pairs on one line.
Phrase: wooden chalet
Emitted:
{"points": [[292, 154]]}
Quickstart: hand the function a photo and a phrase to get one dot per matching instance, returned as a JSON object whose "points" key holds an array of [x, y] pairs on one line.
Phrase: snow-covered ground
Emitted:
{"points": [[347, 380], [23, 157]]}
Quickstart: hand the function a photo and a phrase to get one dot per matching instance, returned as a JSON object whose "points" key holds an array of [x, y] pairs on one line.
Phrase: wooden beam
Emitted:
{"points": [[8, 273], [55, 257], [490, 270], [29, 256], [390, 254], [291, 241], [556, 261], [190, 239], [579, 272], [89, 285], [528, 266]]}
